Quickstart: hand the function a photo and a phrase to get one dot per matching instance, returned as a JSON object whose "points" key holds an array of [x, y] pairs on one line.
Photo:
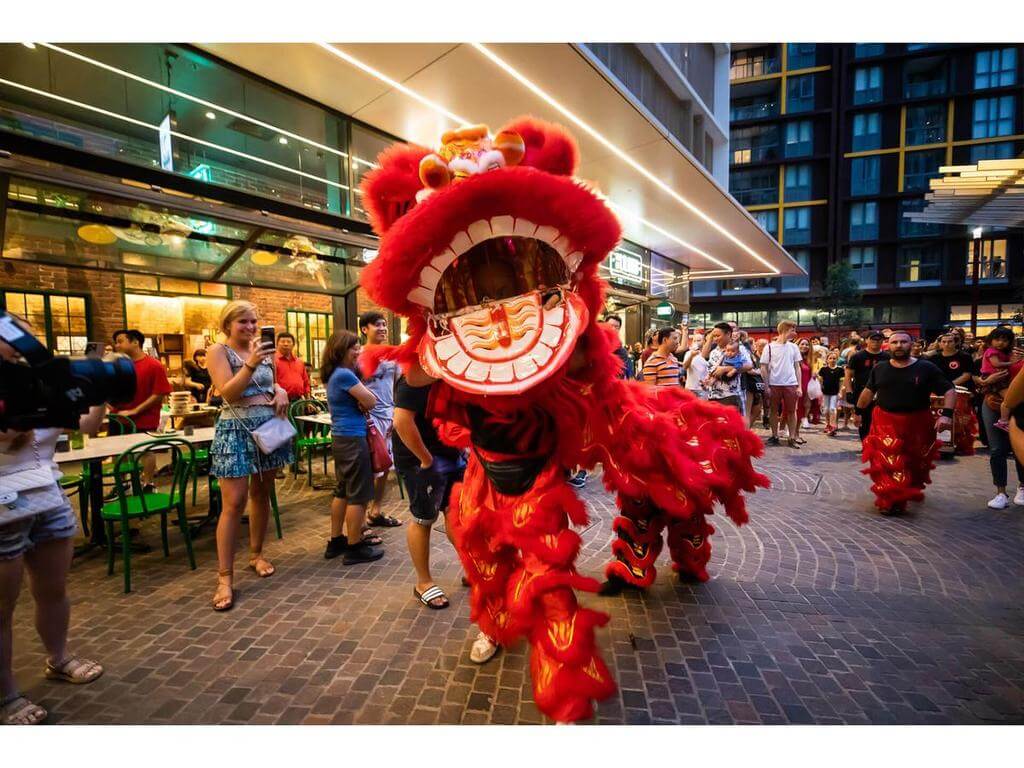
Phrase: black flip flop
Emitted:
{"points": [[383, 521], [429, 595]]}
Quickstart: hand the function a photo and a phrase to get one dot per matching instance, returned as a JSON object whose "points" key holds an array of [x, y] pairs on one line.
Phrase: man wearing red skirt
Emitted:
{"points": [[901, 447]]}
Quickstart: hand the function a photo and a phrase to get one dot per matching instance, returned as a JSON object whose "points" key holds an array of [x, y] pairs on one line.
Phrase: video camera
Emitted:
{"points": [[53, 390]]}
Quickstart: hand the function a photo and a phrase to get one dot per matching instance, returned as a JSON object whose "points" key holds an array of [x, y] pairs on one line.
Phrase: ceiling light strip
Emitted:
{"points": [[462, 121], [393, 83], [142, 124], [538, 91], [623, 212], [203, 102]]}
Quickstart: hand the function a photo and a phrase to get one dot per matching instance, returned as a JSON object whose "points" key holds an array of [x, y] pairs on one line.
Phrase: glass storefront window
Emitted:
{"points": [[311, 331], [162, 248], [366, 145], [225, 128]]}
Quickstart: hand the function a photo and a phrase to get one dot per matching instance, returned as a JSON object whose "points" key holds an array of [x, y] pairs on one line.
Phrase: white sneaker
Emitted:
{"points": [[1018, 498], [999, 501], [805, 424], [484, 648]]}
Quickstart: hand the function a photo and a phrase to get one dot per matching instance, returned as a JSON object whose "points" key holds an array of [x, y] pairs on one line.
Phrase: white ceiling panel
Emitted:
{"points": [[463, 81]]}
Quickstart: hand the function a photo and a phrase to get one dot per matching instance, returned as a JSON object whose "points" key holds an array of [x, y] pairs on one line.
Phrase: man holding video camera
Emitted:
{"points": [[37, 524]]}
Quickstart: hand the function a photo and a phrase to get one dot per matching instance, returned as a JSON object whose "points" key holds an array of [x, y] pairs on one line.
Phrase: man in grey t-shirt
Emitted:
{"points": [[374, 327]]}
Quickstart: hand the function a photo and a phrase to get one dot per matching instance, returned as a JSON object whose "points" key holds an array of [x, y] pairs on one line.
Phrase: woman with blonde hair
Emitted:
{"points": [[242, 370]]}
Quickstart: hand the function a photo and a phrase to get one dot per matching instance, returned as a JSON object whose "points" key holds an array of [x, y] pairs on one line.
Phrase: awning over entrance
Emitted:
{"points": [[989, 194], [667, 202]]}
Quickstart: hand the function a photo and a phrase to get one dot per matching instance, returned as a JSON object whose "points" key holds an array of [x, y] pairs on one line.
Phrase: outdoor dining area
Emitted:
{"points": [[123, 475]]}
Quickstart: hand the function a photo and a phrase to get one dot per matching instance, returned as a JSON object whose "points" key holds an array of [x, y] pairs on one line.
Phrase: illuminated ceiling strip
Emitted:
{"points": [[197, 100], [142, 124], [694, 276], [393, 83], [623, 212], [537, 90]]}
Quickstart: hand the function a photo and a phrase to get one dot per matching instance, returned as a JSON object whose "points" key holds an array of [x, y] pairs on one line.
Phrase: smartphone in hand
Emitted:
{"points": [[267, 335]]}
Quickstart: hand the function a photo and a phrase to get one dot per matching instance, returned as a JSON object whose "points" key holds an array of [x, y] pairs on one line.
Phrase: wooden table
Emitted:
{"points": [[179, 420], [323, 419], [100, 448]]}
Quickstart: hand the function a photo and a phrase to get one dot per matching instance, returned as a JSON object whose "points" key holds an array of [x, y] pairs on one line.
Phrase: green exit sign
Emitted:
{"points": [[665, 309]]}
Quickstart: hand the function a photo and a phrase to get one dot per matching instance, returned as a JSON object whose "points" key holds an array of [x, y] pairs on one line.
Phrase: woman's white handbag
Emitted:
{"points": [[272, 434], [813, 389]]}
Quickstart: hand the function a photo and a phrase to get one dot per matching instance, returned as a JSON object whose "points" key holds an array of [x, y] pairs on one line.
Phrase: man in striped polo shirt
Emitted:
{"points": [[662, 367]]}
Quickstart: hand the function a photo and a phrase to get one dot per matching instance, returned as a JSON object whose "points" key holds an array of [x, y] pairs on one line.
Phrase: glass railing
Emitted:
{"points": [[753, 68], [923, 88], [762, 196], [754, 111]]}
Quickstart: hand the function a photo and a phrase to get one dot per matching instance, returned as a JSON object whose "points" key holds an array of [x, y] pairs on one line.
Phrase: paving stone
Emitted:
{"points": [[819, 611]]}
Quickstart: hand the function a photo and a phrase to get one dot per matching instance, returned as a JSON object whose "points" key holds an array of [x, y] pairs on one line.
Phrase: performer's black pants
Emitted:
{"points": [[865, 421]]}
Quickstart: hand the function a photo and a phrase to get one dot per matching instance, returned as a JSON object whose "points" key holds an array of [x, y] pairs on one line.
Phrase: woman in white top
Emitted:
{"points": [[37, 530]]}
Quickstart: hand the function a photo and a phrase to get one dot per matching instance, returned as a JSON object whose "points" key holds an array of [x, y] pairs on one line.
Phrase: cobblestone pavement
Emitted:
{"points": [[819, 611]]}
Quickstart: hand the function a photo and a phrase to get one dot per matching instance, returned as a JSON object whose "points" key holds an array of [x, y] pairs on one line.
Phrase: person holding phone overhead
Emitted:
{"points": [[242, 369]]}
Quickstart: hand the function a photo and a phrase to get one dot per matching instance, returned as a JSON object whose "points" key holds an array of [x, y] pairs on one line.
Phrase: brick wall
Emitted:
{"points": [[106, 303], [273, 304]]}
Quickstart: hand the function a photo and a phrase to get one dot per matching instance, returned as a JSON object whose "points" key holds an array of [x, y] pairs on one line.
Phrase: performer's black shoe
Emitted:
{"points": [[613, 585], [895, 510]]}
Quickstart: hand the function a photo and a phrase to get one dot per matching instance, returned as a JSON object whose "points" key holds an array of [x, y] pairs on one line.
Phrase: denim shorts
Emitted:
{"points": [[427, 503], [234, 452], [19, 537]]}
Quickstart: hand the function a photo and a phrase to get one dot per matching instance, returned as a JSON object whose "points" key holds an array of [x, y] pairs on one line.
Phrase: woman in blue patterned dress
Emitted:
{"points": [[242, 370]]}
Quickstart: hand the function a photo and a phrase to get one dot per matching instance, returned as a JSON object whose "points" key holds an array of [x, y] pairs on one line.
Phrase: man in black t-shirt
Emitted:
{"points": [[901, 446], [958, 366], [858, 368], [955, 365], [428, 469]]}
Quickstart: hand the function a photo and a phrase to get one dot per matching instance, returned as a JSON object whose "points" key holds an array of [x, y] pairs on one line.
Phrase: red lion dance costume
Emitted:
{"points": [[900, 451], [490, 248]]}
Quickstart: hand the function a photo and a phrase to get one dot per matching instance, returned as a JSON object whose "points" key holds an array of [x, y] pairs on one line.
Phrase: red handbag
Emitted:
{"points": [[380, 458]]}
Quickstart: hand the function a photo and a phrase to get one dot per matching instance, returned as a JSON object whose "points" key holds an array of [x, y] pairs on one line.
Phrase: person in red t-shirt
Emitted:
{"points": [[151, 387], [292, 375]]}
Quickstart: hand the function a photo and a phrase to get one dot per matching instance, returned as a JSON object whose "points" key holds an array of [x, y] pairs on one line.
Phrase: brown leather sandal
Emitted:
{"points": [[260, 565], [218, 603]]}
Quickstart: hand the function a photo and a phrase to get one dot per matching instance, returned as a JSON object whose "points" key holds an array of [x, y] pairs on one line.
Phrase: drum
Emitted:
{"points": [[965, 423], [947, 447]]}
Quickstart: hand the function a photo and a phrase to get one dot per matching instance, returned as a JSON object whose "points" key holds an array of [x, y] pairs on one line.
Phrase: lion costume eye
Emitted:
{"points": [[511, 146], [434, 172]]}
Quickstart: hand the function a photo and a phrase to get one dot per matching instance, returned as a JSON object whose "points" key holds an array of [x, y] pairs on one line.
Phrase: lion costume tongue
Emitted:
{"points": [[505, 347]]}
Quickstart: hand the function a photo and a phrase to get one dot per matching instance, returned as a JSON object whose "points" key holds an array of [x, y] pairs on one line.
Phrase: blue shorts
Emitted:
{"points": [[19, 537], [429, 491], [234, 452]]}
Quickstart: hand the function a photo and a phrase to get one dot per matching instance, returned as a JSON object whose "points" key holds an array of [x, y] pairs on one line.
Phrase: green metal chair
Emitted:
{"points": [[140, 505], [311, 437], [116, 425], [79, 482]]}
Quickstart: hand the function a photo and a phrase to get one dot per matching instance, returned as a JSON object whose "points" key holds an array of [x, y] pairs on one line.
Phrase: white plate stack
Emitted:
{"points": [[179, 402]]}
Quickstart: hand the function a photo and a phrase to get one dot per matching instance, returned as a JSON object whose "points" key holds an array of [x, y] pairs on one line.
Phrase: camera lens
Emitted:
{"points": [[104, 381]]}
